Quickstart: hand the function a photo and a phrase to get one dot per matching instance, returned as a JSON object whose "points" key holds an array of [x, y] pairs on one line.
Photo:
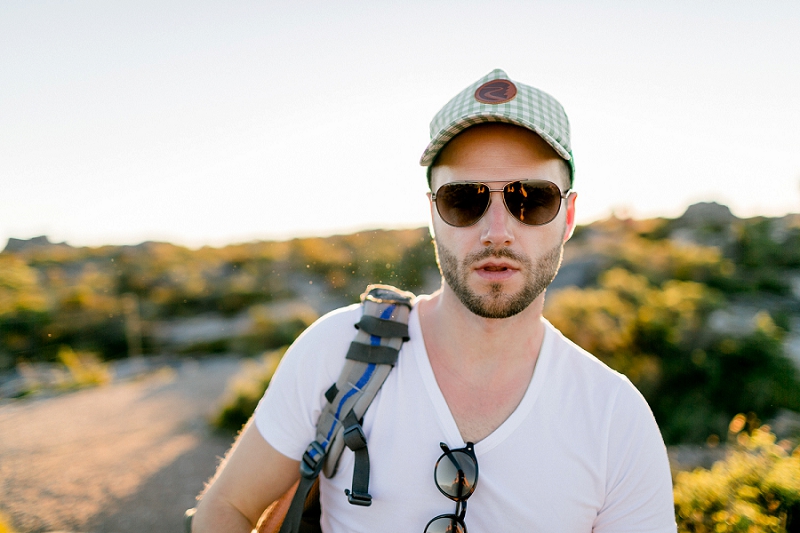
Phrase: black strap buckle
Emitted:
{"points": [[354, 437], [358, 498], [313, 459]]}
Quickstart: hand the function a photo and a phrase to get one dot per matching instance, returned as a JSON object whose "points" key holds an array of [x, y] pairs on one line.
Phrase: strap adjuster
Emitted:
{"points": [[354, 437], [313, 459]]}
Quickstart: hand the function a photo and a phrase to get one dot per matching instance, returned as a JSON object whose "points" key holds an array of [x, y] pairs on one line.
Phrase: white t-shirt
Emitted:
{"points": [[580, 453]]}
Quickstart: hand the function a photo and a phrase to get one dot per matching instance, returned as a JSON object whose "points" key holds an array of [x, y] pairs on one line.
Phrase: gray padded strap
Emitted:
{"points": [[365, 371], [357, 402], [367, 365]]}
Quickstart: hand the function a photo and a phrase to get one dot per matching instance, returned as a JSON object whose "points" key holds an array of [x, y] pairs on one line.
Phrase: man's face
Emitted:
{"points": [[498, 266]]}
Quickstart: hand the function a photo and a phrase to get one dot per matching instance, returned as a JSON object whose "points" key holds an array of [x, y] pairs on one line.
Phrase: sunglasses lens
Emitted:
{"points": [[445, 524], [456, 474], [462, 204], [533, 202]]}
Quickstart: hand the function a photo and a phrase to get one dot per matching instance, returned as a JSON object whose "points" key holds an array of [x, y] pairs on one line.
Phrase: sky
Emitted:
{"points": [[208, 123]]}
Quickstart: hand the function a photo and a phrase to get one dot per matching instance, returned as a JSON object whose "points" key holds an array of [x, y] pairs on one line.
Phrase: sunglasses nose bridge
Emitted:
{"points": [[503, 192], [497, 215]]}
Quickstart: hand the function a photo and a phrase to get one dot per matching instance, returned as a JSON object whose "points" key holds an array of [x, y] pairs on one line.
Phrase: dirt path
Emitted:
{"points": [[128, 457]]}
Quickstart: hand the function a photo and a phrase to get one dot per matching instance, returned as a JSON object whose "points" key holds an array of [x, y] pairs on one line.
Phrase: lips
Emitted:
{"points": [[495, 270], [495, 266]]}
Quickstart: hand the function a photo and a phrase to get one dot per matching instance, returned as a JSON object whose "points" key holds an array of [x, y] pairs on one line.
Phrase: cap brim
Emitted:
{"points": [[454, 128]]}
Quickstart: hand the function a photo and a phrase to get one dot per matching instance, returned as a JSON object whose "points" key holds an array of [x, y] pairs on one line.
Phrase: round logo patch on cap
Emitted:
{"points": [[496, 92]]}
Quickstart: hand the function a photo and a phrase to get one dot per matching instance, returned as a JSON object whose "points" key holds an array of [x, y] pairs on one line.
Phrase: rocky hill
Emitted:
{"points": [[702, 312]]}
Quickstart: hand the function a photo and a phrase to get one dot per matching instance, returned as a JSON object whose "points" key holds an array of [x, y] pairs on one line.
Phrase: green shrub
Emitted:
{"points": [[74, 370], [694, 379], [756, 487], [85, 368], [245, 391]]}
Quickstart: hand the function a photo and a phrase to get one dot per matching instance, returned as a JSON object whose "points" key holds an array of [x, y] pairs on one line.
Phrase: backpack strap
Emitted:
{"points": [[381, 332]]}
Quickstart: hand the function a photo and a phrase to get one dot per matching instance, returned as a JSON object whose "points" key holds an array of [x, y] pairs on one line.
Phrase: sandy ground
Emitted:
{"points": [[127, 457]]}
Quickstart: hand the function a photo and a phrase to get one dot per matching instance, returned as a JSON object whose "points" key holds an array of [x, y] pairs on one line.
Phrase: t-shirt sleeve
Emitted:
{"points": [[638, 481], [287, 414]]}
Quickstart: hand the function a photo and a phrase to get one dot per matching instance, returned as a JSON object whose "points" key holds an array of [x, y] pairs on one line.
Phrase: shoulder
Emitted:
{"points": [[625, 433], [340, 322], [580, 364], [323, 345], [287, 414], [582, 378]]}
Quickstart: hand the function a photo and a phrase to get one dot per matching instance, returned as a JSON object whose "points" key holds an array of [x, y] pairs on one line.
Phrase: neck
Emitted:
{"points": [[455, 335], [482, 366]]}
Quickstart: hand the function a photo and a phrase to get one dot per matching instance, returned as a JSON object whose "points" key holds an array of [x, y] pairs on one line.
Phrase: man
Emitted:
{"points": [[561, 442]]}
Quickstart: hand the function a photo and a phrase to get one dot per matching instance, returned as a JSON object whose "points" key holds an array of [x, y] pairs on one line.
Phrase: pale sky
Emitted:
{"points": [[217, 122]]}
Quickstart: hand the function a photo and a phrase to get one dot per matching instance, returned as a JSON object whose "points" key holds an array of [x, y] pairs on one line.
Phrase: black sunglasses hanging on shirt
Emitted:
{"points": [[456, 475]]}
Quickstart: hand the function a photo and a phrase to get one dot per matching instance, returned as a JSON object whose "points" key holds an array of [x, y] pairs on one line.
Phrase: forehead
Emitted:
{"points": [[498, 152]]}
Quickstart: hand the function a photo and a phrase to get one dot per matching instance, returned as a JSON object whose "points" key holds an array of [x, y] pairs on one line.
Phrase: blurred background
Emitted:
{"points": [[187, 186]]}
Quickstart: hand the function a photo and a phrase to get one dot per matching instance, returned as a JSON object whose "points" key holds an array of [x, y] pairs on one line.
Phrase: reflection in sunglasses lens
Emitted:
{"points": [[456, 474], [533, 202], [445, 524], [462, 204]]}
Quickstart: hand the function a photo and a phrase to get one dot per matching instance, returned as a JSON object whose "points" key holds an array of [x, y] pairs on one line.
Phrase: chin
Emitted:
{"points": [[499, 299]]}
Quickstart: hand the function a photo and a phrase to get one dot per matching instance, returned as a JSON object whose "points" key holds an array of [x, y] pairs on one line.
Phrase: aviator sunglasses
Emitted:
{"points": [[455, 474], [532, 202]]}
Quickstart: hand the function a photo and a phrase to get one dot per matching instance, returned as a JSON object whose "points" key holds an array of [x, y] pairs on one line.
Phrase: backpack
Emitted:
{"points": [[382, 329]]}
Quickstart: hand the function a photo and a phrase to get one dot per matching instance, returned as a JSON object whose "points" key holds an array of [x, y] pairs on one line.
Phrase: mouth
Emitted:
{"points": [[495, 269], [495, 266]]}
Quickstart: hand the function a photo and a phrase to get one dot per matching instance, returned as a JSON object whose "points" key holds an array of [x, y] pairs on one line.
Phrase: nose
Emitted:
{"points": [[497, 223]]}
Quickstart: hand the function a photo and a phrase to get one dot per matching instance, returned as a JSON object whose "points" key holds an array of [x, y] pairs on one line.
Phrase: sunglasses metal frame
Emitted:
{"points": [[434, 195], [461, 501]]}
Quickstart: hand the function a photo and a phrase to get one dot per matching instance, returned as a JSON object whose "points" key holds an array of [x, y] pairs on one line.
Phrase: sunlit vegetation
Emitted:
{"points": [[693, 379], [756, 488], [57, 296], [647, 316], [245, 391], [645, 304], [74, 370]]}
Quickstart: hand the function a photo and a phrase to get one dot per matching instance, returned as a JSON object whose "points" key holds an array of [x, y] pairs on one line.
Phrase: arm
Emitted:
{"points": [[252, 476], [639, 484], [254, 473]]}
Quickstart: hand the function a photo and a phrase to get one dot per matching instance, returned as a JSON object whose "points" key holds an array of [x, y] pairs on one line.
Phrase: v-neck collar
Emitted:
{"points": [[443, 413]]}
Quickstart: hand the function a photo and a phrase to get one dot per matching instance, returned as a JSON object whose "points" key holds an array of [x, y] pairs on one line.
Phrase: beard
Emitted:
{"points": [[497, 303]]}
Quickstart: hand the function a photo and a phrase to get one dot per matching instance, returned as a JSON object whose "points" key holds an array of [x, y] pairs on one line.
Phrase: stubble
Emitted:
{"points": [[497, 303]]}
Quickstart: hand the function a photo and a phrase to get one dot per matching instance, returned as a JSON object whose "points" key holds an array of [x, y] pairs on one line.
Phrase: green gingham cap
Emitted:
{"points": [[495, 98]]}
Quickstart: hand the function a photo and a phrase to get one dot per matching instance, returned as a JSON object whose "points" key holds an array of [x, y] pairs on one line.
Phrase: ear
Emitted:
{"points": [[570, 201]]}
